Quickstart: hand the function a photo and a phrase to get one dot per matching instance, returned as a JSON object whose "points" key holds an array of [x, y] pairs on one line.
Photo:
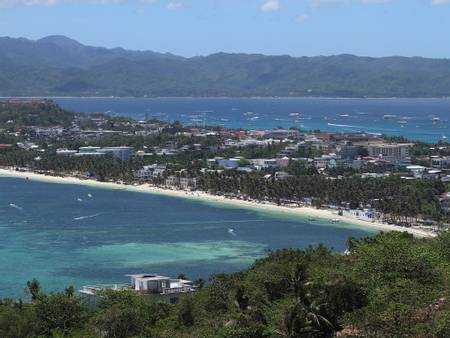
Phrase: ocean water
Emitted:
{"points": [[412, 118], [61, 236]]}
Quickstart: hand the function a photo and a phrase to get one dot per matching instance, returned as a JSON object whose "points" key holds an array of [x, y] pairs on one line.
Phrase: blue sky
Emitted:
{"points": [[200, 27]]}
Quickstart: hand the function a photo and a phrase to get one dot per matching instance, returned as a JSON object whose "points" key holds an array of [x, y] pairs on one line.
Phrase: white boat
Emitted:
{"points": [[335, 220], [389, 116]]}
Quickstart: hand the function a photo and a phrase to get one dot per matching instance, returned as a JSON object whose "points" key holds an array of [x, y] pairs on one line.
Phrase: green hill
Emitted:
{"points": [[57, 65]]}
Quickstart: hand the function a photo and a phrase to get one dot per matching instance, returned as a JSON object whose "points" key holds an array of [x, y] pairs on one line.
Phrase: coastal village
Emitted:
{"points": [[388, 183], [174, 151]]}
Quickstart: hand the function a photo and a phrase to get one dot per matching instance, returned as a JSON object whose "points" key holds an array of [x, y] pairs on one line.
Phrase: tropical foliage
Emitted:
{"points": [[390, 285]]}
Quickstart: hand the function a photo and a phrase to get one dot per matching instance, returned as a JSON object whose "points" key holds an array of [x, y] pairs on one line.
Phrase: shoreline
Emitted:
{"points": [[237, 97], [326, 214]]}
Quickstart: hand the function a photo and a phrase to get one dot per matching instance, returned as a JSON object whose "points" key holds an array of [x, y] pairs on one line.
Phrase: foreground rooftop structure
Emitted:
{"points": [[160, 287]]}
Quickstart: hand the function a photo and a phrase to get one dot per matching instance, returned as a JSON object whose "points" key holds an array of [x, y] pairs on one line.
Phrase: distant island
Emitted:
{"points": [[59, 66]]}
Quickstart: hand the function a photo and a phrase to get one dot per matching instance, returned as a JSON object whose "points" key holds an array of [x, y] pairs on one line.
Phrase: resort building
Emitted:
{"points": [[391, 152], [149, 172], [122, 153], [367, 214], [153, 285]]}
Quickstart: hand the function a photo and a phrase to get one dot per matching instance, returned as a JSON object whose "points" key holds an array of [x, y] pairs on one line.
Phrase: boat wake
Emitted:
{"points": [[85, 217], [15, 206], [231, 232], [342, 125]]}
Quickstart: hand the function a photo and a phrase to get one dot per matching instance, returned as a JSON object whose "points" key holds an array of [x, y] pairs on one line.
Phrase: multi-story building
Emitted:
{"points": [[391, 152], [440, 162], [122, 153]]}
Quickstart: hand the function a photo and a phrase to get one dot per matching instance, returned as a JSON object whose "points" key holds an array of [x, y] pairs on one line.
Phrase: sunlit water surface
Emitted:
{"points": [[61, 236]]}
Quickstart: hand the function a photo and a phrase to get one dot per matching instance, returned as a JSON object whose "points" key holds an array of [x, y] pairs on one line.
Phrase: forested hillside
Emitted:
{"points": [[391, 285], [57, 65]]}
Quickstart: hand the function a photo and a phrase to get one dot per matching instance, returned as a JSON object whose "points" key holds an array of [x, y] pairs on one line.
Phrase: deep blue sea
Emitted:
{"points": [[61, 236], [412, 118]]}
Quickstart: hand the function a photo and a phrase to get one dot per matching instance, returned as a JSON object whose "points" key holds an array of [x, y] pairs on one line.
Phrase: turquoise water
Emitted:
{"points": [[61, 236]]}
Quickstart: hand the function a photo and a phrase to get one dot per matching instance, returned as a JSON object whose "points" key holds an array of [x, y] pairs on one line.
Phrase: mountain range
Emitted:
{"points": [[60, 66]]}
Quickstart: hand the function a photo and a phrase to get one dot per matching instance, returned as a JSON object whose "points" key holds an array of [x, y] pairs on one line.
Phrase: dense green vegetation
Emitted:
{"points": [[43, 114], [400, 200], [390, 285], [60, 66]]}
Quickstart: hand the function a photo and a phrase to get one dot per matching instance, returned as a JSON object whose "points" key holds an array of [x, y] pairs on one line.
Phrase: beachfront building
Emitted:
{"points": [[149, 172], [188, 183], [367, 214], [152, 285]]}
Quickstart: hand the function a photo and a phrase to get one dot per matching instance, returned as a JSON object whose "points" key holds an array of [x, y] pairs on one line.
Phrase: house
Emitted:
{"points": [[151, 285]]}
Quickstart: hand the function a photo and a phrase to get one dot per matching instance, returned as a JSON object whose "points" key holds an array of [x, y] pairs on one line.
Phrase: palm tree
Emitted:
{"points": [[241, 300], [33, 288]]}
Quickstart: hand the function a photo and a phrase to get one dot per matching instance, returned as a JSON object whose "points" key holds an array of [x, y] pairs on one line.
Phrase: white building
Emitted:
{"points": [[149, 172], [153, 285], [391, 152], [65, 152], [122, 153], [364, 214]]}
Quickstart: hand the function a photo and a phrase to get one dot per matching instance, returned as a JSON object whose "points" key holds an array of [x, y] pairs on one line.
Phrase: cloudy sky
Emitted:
{"points": [[199, 27]]}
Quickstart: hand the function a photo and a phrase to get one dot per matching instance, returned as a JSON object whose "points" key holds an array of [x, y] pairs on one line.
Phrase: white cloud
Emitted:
{"points": [[271, 6], [13, 3], [440, 2], [374, 1], [301, 18], [173, 6], [318, 3]]}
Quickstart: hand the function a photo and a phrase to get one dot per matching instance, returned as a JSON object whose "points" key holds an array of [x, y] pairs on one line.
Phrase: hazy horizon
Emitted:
{"points": [[375, 28], [216, 52]]}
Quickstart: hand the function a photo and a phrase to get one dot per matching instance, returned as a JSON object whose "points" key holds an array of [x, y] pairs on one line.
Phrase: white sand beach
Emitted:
{"points": [[202, 196]]}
